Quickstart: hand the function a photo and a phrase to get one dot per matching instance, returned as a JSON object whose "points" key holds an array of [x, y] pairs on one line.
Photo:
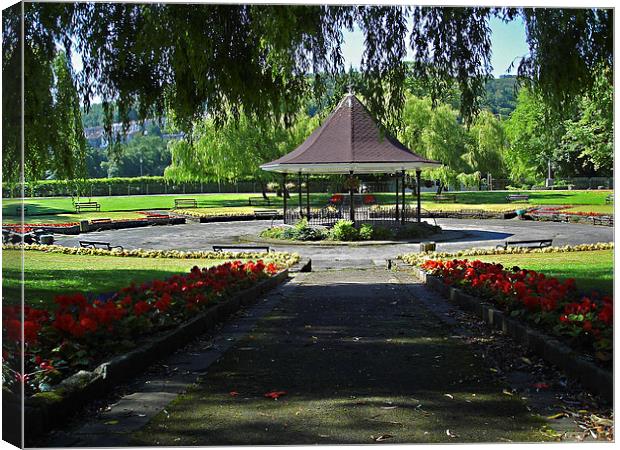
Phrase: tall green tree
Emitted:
{"points": [[434, 132], [590, 135], [486, 145], [236, 150]]}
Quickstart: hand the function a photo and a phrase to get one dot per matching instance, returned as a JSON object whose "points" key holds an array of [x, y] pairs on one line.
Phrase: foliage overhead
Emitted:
{"points": [[191, 61]]}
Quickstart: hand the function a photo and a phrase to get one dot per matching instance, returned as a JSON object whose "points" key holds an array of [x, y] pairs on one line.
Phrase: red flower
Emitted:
{"points": [[606, 314], [141, 307], [275, 394], [163, 303], [88, 324]]}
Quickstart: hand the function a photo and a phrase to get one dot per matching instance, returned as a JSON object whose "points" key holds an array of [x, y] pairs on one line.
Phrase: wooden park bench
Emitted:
{"points": [[79, 206], [95, 244], [220, 248], [185, 203], [266, 213], [517, 197], [445, 198], [609, 199], [254, 201], [539, 243]]}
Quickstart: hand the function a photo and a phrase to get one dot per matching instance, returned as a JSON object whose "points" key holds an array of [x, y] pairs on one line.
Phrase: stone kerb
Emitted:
{"points": [[579, 366]]}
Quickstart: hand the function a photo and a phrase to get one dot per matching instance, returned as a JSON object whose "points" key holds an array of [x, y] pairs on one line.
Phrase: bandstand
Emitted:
{"points": [[351, 142]]}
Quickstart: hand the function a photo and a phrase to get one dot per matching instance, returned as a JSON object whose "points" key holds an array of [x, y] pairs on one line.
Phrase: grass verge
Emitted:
{"points": [[49, 274], [592, 270]]}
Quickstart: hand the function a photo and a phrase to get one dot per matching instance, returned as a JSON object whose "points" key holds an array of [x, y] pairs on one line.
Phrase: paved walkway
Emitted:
{"points": [[473, 233], [361, 360]]}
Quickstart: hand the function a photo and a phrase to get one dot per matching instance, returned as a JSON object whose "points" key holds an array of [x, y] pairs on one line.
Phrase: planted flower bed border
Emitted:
{"points": [[284, 258], [228, 217], [44, 410], [574, 363], [74, 228]]}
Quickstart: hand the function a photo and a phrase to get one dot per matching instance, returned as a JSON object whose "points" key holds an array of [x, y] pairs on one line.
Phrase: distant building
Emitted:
{"points": [[97, 138]]}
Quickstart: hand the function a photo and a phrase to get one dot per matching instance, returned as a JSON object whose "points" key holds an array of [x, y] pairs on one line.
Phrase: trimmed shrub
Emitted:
{"points": [[344, 230]]}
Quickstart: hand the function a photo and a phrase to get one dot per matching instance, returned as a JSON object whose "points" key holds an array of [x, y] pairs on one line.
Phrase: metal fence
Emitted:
{"points": [[329, 215]]}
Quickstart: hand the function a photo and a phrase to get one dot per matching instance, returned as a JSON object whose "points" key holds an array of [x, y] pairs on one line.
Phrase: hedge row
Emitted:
{"points": [[126, 186]]}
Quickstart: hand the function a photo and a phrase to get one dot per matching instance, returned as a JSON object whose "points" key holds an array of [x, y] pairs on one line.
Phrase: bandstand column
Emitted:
{"points": [[351, 206], [403, 215], [284, 194], [397, 199], [419, 189], [300, 198], [308, 195]]}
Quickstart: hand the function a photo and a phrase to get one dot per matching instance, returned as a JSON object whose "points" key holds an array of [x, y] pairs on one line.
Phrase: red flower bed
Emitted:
{"points": [[336, 199], [80, 333], [18, 228], [556, 306], [369, 199]]}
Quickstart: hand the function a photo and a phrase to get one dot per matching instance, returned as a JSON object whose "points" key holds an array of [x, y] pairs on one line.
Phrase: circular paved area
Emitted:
{"points": [[473, 233]]}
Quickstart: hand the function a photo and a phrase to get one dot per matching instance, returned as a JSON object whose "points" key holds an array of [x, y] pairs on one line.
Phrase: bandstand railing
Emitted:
{"points": [[329, 215]]}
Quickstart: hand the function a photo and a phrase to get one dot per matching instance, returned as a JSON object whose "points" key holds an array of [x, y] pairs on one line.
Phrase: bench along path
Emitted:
{"points": [[361, 361]]}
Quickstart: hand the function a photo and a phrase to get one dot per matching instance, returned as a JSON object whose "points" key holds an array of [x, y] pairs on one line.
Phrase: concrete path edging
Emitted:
{"points": [[590, 375]]}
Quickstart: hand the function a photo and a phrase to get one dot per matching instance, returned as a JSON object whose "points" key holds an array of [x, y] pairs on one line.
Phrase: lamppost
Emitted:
{"points": [[549, 180], [140, 165]]}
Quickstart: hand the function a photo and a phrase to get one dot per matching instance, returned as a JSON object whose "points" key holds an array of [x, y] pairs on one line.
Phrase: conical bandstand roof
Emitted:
{"points": [[350, 140]]}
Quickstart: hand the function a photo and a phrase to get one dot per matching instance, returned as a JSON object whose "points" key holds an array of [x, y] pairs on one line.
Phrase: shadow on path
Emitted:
{"points": [[360, 360]]}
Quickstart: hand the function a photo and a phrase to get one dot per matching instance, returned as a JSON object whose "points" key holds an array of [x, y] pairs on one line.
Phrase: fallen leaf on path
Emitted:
{"points": [[450, 396], [383, 437], [557, 416], [601, 421], [275, 394], [507, 392], [451, 434], [389, 407], [111, 422]]}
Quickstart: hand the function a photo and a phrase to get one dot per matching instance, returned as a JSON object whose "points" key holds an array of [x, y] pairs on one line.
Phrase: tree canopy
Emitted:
{"points": [[221, 61]]}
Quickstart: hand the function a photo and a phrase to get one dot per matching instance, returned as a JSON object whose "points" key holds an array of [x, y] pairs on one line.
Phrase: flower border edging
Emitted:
{"points": [[574, 364], [45, 410]]}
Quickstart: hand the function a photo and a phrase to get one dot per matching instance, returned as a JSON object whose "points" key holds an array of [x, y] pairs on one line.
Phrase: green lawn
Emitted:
{"points": [[50, 274], [60, 209], [583, 197], [591, 270]]}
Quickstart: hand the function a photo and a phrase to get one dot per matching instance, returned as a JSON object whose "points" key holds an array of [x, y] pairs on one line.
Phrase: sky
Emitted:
{"points": [[507, 44]]}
